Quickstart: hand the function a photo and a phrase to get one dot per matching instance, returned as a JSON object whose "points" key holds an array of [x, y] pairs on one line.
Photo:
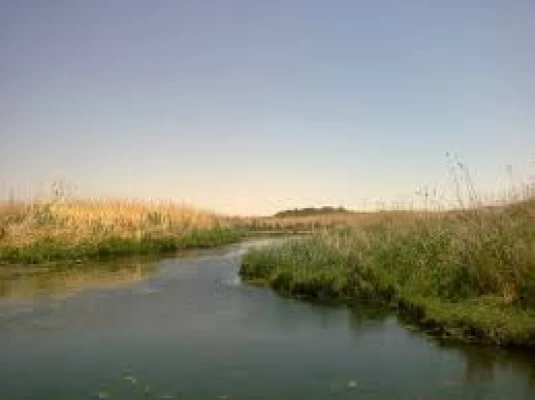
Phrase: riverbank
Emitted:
{"points": [[466, 275], [86, 230], [51, 249]]}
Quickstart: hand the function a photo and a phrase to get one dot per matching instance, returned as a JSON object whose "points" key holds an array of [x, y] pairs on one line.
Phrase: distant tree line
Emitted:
{"points": [[308, 211]]}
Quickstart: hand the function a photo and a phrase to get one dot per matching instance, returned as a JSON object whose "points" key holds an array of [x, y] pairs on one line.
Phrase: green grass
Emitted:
{"points": [[466, 275], [53, 249]]}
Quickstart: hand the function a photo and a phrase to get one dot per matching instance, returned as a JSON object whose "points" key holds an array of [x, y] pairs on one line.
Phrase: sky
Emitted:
{"points": [[247, 107]]}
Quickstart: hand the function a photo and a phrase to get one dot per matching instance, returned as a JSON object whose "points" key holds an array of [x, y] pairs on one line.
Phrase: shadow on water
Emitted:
{"points": [[482, 364]]}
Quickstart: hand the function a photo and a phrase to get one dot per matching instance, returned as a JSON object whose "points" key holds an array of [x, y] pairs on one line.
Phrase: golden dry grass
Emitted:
{"points": [[81, 220], [314, 222]]}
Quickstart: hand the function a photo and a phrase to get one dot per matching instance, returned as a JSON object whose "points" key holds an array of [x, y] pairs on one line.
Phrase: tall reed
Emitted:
{"points": [[62, 228]]}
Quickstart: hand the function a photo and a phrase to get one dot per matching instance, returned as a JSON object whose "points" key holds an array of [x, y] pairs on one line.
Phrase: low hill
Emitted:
{"points": [[311, 211]]}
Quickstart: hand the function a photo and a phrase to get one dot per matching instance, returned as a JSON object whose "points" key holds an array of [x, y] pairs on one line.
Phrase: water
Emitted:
{"points": [[186, 328]]}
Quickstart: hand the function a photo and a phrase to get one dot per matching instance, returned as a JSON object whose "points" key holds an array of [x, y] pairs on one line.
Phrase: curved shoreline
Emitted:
{"points": [[441, 320], [331, 267], [48, 250]]}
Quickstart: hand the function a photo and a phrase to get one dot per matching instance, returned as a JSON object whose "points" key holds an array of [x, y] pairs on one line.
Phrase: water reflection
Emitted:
{"points": [[367, 314], [479, 366], [483, 364], [26, 282]]}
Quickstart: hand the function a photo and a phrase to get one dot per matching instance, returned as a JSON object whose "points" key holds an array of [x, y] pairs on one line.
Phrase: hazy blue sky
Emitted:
{"points": [[249, 106]]}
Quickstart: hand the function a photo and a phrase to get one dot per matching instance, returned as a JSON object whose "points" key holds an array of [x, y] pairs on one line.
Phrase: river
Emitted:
{"points": [[187, 328]]}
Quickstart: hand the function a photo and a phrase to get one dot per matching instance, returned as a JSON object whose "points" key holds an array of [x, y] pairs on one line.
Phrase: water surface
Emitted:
{"points": [[186, 328]]}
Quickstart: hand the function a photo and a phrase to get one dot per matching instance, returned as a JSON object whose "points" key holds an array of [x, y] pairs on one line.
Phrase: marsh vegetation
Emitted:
{"points": [[58, 229], [464, 274]]}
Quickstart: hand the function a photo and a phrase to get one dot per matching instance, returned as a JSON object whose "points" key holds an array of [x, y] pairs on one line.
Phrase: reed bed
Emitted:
{"points": [[464, 274], [314, 223], [50, 230]]}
